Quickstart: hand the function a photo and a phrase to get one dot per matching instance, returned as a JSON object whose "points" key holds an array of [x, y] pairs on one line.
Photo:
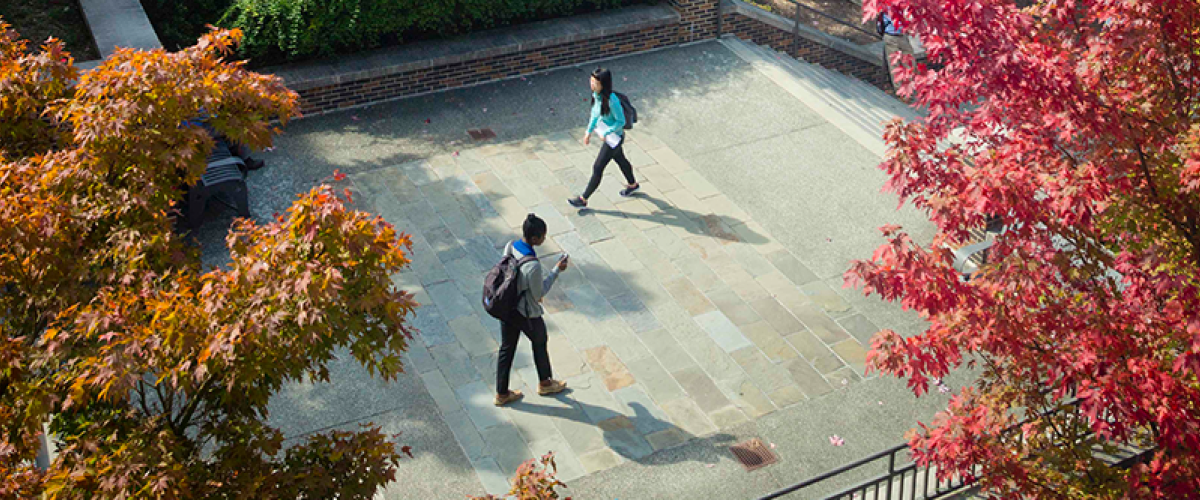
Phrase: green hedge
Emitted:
{"points": [[178, 23], [288, 30]]}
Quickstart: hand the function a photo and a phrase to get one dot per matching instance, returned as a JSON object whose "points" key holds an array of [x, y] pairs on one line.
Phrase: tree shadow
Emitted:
{"points": [[626, 435], [401, 408], [386, 137]]}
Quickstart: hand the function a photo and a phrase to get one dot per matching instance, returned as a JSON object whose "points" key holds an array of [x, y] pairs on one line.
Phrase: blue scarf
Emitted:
{"points": [[524, 248]]}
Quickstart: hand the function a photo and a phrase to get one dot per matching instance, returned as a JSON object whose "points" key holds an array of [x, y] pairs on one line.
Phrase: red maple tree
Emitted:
{"points": [[1077, 123]]}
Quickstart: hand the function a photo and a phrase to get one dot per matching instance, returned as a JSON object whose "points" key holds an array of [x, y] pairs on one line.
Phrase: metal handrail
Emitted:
{"points": [[796, 33], [836, 20], [952, 485], [886, 484], [890, 452], [892, 471]]}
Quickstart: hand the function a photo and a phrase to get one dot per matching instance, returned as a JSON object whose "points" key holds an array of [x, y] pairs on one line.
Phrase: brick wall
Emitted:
{"points": [[698, 19], [758, 32], [320, 99]]}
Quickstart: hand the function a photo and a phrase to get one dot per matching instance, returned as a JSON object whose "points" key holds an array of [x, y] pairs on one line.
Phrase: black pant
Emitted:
{"points": [[609, 153], [510, 333]]}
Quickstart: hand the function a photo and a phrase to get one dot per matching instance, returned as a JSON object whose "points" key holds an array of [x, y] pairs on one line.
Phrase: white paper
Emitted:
{"points": [[612, 140]]}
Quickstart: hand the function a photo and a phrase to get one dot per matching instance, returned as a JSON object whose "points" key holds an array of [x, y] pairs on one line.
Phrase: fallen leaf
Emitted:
{"points": [[836, 440], [354, 117], [881, 403], [710, 465], [772, 446], [426, 120], [454, 154], [270, 148], [485, 110], [845, 382]]}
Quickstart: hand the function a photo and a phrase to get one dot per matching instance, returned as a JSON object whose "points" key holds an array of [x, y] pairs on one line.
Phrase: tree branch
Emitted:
{"points": [[1144, 163], [185, 414], [165, 401], [1188, 229]]}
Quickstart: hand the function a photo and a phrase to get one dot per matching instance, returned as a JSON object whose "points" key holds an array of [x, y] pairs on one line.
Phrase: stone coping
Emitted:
{"points": [[477, 45], [118, 23], [807, 32]]}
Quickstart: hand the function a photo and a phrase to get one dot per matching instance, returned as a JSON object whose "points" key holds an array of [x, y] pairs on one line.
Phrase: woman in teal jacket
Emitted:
{"points": [[608, 121]]}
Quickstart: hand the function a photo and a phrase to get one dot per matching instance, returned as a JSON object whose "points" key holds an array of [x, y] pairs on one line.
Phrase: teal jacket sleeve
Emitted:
{"points": [[595, 116], [618, 113]]}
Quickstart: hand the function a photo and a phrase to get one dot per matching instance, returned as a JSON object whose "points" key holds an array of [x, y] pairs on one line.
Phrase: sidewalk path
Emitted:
{"points": [[704, 310], [679, 318]]}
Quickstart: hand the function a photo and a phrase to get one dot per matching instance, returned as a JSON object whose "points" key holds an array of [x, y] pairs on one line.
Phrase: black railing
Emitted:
{"points": [[897, 482], [903, 480], [890, 454]]}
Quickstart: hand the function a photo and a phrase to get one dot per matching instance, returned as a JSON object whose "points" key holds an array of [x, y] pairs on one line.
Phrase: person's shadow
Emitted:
{"points": [[623, 434], [712, 225]]}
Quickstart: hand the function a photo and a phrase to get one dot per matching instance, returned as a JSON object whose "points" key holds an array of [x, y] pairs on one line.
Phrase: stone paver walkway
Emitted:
{"points": [[679, 316]]}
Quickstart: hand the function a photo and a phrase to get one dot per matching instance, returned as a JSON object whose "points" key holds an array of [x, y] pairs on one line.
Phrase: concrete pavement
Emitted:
{"points": [[706, 310]]}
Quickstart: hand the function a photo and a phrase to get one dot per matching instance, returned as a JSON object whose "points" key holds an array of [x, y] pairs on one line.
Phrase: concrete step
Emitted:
{"points": [[855, 107], [857, 90], [855, 96]]}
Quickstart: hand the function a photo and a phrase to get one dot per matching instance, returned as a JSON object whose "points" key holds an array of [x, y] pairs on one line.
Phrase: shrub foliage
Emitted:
{"points": [[288, 30]]}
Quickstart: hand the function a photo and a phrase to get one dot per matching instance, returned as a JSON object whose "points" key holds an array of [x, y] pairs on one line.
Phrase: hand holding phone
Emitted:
{"points": [[562, 261]]}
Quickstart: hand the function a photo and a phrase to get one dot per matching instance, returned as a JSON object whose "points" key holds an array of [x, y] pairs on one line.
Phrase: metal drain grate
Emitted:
{"points": [[481, 134], [753, 454]]}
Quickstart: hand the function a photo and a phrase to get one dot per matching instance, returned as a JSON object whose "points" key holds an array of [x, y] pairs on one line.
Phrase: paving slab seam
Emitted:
{"points": [[709, 391]]}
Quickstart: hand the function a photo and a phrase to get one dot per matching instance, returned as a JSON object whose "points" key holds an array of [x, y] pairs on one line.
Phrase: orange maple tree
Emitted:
{"points": [[153, 373]]}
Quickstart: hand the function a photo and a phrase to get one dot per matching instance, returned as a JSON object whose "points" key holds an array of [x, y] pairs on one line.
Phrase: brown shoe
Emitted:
{"points": [[503, 399], [554, 387]]}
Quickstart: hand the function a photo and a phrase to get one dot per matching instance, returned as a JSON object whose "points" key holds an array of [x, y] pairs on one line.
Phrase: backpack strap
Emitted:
{"points": [[520, 262]]}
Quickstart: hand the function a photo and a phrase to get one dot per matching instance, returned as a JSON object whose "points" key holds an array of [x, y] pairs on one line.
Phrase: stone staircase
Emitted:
{"points": [[855, 107]]}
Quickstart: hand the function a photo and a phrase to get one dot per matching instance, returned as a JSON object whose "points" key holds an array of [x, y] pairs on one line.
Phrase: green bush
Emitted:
{"points": [[287, 30], [179, 24]]}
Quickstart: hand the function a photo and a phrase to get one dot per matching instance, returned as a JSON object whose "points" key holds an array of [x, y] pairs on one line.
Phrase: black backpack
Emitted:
{"points": [[500, 293], [628, 109]]}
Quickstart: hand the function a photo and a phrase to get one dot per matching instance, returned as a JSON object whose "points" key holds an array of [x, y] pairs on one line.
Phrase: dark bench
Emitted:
{"points": [[225, 176]]}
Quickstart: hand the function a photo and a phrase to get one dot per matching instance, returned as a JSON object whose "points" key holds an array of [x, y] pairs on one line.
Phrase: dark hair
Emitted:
{"points": [[534, 227], [605, 77]]}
